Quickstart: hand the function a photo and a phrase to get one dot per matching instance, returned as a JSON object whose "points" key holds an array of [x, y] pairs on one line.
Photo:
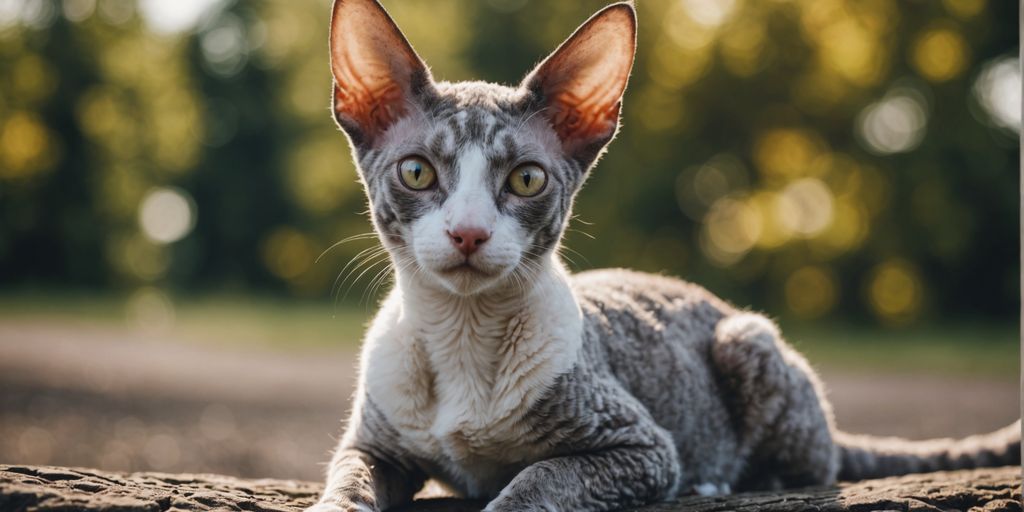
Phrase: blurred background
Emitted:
{"points": [[172, 187]]}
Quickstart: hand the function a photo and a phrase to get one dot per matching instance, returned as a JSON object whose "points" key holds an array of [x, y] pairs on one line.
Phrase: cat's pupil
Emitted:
{"points": [[416, 170], [526, 179]]}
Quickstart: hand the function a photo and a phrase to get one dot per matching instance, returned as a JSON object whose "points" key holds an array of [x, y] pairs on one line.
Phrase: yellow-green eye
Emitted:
{"points": [[527, 180], [416, 173]]}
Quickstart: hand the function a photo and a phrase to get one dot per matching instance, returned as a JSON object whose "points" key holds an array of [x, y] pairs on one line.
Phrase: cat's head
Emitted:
{"points": [[471, 184]]}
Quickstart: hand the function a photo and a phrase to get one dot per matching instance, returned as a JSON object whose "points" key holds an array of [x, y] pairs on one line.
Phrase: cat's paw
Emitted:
{"points": [[331, 507]]}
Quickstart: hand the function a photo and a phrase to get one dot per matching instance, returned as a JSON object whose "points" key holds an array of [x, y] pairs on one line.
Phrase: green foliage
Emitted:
{"points": [[813, 158]]}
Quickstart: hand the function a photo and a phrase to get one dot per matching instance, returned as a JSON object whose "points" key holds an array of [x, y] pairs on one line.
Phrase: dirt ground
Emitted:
{"points": [[82, 395]]}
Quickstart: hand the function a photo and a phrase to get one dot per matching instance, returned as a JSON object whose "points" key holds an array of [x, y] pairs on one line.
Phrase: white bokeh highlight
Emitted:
{"points": [[894, 124], [173, 16], [998, 91], [166, 215]]}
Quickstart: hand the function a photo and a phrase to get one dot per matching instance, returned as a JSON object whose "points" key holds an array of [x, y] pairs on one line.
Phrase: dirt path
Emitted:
{"points": [[120, 400]]}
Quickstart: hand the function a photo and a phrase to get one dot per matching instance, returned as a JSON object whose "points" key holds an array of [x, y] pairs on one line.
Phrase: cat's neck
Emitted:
{"points": [[546, 297]]}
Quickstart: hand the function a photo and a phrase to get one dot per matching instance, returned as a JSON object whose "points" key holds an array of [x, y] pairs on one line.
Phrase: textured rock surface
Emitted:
{"points": [[51, 488]]}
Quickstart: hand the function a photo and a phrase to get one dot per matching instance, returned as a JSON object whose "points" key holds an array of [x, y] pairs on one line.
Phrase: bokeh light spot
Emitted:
{"points": [[939, 54], [773, 233], [225, 46], [742, 47], [787, 152], [998, 90], [318, 180], [895, 291], [895, 124], [709, 13], [166, 215], [287, 253], [164, 17], [811, 291], [78, 10], [26, 146], [964, 8], [698, 187], [731, 228], [805, 207]]}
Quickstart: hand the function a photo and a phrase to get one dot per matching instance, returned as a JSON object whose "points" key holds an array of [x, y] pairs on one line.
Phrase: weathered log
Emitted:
{"points": [[52, 488]]}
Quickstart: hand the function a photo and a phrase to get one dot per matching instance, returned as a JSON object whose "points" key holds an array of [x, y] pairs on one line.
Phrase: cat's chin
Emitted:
{"points": [[465, 279]]}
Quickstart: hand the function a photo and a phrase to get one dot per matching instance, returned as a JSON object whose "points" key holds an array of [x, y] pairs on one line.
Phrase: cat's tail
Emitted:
{"points": [[864, 457]]}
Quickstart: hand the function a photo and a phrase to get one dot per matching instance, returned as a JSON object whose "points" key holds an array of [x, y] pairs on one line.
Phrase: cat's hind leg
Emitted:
{"points": [[779, 409]]}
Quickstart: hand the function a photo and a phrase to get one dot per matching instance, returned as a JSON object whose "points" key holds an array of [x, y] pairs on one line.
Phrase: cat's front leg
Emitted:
{"points": [[358, 481], [600, 480]]}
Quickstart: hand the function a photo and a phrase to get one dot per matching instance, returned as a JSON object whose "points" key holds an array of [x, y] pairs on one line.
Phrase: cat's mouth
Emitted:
{"points": [[466, 268]]}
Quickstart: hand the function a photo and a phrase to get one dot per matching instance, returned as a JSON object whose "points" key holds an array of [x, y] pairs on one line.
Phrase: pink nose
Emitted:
{"points": [[468, 239]]}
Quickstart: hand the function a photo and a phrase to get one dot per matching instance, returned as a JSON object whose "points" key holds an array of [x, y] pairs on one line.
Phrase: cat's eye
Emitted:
{"points": [[527, 180], [416, 173]]}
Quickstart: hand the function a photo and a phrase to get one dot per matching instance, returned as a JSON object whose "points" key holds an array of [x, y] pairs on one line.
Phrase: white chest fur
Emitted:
{"points": [[454, 376]]}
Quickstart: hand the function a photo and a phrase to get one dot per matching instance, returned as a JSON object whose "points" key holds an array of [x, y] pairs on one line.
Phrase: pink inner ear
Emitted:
{"points": [[583, 80], [373, 67], [373, 109], [580, 119]]}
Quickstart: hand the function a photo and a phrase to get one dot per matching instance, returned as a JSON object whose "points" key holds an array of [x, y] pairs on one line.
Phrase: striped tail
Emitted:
{"points": [[864, 457]]}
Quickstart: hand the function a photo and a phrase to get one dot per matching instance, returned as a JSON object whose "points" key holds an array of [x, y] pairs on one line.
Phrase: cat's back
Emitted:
{"points": [[641, 306]]}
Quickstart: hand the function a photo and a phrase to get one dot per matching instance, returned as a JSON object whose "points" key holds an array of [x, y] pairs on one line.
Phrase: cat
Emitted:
{"points": [[492, 370]]}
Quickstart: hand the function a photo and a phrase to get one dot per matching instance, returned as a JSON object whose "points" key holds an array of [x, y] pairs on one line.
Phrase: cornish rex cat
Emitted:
{"points": [[494, 371]]}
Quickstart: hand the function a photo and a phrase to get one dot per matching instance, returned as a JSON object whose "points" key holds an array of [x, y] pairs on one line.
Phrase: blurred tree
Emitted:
{"points": [[827, 157]]}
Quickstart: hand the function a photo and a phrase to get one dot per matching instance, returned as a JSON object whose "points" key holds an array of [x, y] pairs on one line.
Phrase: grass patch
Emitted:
{"points": [[958, 349], [237, 320]]}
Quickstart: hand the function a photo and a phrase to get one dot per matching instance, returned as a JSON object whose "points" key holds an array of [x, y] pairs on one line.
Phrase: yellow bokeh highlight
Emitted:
{"points": [[853, 52], [805, 207], [773, 234], [320, 174], [32, 79], [684, 31], [811, 291], [787, 153], [305, 91], [658, 110], [742, 47], [939, 54], [850, 38], [287, 253], [847, 231], [106, 117], [731, 228], [174, 132], [26, 146], [895, 291], [877, 16], [964, 8], [674, 68]]}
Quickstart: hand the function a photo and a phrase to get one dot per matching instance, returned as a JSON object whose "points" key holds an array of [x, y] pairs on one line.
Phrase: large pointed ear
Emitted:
{"points": [[376, 72], [580, 85]]}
